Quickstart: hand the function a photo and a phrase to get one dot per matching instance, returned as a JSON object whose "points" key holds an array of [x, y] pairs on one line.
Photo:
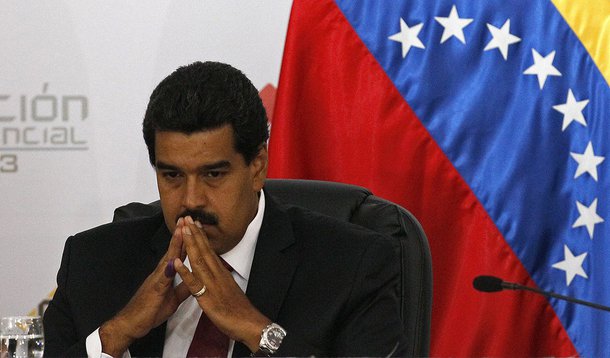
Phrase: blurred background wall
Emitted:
{"points": [[75, 77]]}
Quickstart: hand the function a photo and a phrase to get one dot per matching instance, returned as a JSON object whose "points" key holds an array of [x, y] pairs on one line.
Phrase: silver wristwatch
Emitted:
{"points": [[271, 338]]}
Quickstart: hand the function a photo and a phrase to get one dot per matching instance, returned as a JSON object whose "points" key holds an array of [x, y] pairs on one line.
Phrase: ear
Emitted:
{"points": [[258, 168]]}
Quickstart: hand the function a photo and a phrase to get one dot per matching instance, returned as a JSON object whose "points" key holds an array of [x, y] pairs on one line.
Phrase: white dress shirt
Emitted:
{"points": [[182, 324]]}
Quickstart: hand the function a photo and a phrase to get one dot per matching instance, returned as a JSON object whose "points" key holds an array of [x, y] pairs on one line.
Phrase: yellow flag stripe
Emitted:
{"points": [[590, 20]]}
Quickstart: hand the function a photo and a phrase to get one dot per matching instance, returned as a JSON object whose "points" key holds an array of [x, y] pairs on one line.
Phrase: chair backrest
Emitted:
{"points": [[359, 206]]}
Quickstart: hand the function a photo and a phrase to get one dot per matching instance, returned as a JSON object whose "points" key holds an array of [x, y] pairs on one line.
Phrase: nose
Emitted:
{"points": [[194, 194]]}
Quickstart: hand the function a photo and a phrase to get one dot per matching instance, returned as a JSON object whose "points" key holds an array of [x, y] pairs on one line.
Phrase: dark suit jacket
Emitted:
{"points": [[331, 285]]}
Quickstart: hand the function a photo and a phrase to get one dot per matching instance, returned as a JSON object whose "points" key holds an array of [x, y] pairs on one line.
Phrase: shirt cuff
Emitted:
{"points": [[94, 347]]}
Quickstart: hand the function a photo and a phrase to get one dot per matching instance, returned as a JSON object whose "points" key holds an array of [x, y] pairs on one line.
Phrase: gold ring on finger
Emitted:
{"points": [[200, 292]]}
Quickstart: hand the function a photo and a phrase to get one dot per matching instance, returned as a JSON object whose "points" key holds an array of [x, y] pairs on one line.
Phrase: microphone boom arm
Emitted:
{"points": [[516, 286]]}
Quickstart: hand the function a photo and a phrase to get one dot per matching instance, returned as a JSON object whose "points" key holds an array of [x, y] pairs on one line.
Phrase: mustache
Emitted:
{"points": [[201, 216]]}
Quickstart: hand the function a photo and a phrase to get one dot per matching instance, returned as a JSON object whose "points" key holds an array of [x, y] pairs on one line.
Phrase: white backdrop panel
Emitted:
{"points": [[75, 77]]}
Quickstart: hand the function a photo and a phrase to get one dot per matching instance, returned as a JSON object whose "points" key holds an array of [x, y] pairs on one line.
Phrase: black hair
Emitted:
{"points": [[204, 96]]}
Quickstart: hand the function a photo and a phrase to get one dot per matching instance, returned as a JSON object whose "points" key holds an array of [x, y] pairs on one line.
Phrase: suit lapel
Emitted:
{"points": [[275, 261], [274, 264], [159, 242], [151, 345]]}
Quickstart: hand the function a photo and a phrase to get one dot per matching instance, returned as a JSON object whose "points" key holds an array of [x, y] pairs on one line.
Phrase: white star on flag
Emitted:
{"points": [[587, 162], [454, 25], [572, 110], [502, 38], [588, 217], [571, 264], [408, 37], [542, 67]]}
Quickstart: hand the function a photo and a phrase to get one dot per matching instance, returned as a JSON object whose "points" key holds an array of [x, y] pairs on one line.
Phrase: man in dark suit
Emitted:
{"points": [[265, 279]]}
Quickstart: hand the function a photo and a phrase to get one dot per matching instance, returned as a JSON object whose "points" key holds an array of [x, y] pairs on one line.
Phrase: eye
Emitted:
{"points": [[170, 174], [214, 174]]}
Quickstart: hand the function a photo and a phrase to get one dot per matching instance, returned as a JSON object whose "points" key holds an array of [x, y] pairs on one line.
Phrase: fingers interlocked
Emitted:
{"points": [[201, 256]]}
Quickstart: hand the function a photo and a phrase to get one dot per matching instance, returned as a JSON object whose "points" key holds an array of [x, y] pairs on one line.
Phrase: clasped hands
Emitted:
{"points": [[157, 299]]}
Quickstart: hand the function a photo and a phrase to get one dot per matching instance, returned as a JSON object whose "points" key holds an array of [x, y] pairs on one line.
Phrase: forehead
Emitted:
{"points": [[209, 145]]}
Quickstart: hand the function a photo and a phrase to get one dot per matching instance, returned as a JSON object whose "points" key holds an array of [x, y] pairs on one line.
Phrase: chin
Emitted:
{"points": [[215, 245], [218, 249]]}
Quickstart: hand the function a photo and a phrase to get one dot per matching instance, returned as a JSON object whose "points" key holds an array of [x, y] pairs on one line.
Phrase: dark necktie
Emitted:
{"points": [[208, 340]]}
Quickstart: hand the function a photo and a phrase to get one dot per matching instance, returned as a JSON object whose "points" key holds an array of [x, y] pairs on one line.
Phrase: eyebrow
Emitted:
{"points": [[212, 166]]}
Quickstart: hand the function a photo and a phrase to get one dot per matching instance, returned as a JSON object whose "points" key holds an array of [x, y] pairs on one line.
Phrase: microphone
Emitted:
{"points": [[495, 284]]}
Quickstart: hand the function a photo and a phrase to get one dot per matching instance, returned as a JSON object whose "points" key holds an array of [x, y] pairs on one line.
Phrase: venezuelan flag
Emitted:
{"points": [[489, 120]]}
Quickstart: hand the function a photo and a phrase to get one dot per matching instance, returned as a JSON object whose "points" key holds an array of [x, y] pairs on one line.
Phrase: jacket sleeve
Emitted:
{"points": [[61, 338], [372, 325]]}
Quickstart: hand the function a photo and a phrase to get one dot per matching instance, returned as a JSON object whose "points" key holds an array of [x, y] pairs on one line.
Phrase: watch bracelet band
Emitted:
{"points": [[260, 353]]}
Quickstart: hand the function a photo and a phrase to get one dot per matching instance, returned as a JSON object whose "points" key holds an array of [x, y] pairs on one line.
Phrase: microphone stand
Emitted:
{"points": [[516, 286]]}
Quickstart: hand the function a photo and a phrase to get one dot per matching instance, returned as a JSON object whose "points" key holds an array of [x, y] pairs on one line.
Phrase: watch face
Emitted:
{"points": [[271, 338], [274, 337]]}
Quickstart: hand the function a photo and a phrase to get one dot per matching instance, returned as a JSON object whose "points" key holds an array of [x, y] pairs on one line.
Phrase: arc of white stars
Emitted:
{"points": [[454, 26], [572, 265], [572, 110], [588, 217], [501, 38], [408, 37], [587, 162], [542, 67]]}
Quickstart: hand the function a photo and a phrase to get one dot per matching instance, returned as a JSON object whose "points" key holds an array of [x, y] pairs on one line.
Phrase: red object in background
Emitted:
{"points": [[267, 95]]}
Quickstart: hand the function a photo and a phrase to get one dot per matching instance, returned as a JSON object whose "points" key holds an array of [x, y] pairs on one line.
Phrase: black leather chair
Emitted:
{"points": [[359, 206]]}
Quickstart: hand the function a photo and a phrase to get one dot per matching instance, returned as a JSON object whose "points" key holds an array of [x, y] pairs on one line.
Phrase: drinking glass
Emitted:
{"points": [[21, 337]]}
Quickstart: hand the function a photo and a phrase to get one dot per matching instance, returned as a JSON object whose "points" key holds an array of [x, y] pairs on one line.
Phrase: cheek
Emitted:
{"points": [[227, 205], [239, 208]]}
